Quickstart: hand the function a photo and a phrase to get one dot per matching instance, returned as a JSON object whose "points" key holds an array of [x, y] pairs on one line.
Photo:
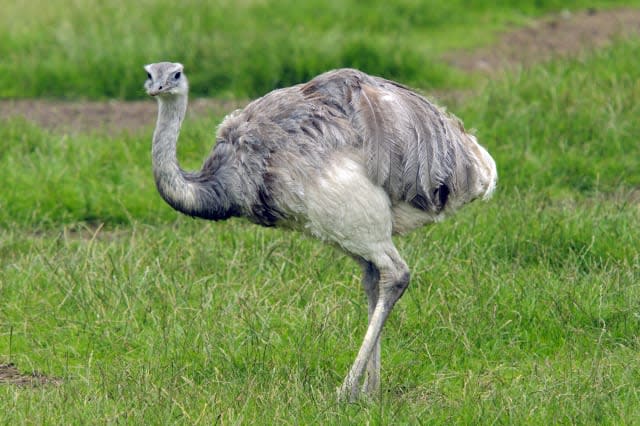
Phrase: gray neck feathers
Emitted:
{"points": [[188, 193]]}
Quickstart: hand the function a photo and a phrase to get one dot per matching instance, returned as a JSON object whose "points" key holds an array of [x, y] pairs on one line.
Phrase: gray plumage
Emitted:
{"points": [[347, 157]]}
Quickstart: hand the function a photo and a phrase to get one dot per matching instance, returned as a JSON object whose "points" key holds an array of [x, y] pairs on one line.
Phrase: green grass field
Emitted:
{"points": [[522, 310], [93, 49]]}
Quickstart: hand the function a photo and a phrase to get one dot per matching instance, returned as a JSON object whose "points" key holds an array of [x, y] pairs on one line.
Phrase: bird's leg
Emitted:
{"points": [[370, 282], [394, 279]]}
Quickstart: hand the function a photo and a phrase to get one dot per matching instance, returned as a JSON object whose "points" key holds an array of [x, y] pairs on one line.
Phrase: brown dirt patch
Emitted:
{"points": [[111, 117], [564, 34], [9, 375], [559, 35]]}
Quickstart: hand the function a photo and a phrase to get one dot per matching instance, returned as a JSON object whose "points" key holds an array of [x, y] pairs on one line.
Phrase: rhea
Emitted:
{"points": [[348, 158]]}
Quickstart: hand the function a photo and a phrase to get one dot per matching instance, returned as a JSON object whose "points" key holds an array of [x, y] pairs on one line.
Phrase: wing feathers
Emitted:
{"points": [[412, 148]]}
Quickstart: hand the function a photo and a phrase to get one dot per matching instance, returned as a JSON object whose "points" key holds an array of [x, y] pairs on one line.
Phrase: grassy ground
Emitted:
{"points": [[525, 309], [94, 49]]}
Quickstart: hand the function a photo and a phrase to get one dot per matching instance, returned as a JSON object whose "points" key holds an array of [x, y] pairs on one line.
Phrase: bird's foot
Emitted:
{"points": [[348, 392]]}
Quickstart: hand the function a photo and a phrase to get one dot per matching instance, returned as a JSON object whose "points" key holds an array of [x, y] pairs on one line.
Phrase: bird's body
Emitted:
{"points": [[347, 157]]}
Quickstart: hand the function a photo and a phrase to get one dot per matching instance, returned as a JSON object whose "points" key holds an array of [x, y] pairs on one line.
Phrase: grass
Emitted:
{"points": [[95, 49], [228, 321], [524, 309]]}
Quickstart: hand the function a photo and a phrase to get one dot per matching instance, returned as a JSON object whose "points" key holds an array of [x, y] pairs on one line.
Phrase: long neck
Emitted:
{"points": [[183, 191]]}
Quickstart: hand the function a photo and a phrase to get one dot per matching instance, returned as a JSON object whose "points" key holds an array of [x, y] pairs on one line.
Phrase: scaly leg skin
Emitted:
{"points": [[370, 282], [394, 279]]}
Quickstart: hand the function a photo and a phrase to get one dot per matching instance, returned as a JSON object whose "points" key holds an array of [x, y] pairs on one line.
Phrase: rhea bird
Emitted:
{"points": [[347, 157]]}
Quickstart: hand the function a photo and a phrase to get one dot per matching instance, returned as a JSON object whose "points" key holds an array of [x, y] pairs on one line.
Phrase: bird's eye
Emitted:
{"points": [[149, 76], [177, 75]]}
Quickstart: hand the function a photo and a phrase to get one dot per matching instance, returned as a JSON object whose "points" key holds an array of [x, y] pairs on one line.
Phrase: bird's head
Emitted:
{"points": [[166, 79]]}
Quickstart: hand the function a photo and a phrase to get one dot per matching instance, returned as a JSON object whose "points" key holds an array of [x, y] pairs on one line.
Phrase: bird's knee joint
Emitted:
{"points": [[403, 282], [396, 287]]}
